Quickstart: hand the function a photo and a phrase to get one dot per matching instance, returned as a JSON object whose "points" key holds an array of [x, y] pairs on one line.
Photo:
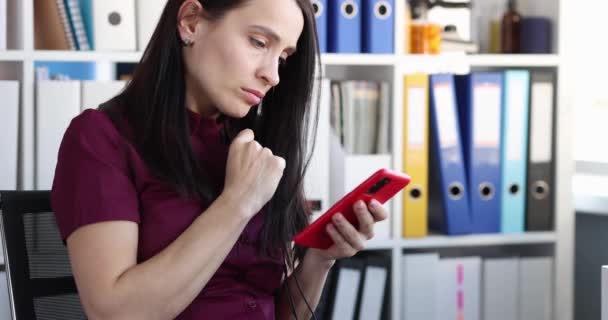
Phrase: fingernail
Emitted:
{"points": [[360, 205], [374, 203], [337, 218]]}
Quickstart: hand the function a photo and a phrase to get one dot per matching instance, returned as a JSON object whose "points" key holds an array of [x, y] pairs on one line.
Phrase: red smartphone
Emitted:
{"points": [[382, 185]]}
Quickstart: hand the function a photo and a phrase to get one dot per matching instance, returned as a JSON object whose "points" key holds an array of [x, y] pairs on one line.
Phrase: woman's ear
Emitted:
{"points": [[189, 15]]}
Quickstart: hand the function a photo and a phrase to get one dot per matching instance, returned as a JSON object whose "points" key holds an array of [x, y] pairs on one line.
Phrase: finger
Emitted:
{"points": [[366, 219], [348, 232], [377, 210], [339, 241], [244, 136], [280, 162]]}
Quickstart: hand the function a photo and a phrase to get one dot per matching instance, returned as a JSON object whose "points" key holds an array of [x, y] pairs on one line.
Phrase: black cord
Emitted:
{"points": [[314, 316], [291, 304]]}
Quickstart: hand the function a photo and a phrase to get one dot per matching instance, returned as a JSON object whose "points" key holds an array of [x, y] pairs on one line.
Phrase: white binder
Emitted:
{"points": [[535, 288], [419, 278], [3, 24], [96, 92], [148, 15], [114, 25], [500, 278], [458, 289], [9, 119], [57, 102], [316, 181]]}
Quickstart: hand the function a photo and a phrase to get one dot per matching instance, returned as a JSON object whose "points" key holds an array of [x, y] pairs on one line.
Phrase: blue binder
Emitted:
{"points": [[378, 26], [344, 29], [320, 7], [480, 109], [449, 202], [516, 99]]}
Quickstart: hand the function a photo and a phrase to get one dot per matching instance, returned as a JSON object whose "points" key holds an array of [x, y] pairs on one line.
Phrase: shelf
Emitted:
{"points": [[50, 55], [358, 59], [513, 60], [12, 55], [477, 240]]}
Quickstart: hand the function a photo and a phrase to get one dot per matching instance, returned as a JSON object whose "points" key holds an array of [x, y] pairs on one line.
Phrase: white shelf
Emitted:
{"points": [[513, 60], [478, 240], [358, 59], [12, 55]]}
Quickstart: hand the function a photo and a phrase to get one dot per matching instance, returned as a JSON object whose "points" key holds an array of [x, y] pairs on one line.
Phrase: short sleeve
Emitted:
{"points": [[92, 182]]}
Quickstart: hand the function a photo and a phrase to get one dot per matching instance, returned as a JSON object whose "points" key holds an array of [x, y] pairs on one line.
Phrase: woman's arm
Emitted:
{"points": [[312, 272], [113, 286], [104, 255], [311, 275]]}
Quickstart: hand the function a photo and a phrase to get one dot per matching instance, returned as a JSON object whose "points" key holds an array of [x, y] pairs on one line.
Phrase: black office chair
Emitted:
{"points": [[40, 281]]}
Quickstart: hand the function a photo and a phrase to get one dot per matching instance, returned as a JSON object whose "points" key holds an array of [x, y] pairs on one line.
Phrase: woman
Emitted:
{"points": [[179, 198]]}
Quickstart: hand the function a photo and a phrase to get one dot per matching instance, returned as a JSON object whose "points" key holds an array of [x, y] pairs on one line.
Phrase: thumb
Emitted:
{"points": [[244, 136]]}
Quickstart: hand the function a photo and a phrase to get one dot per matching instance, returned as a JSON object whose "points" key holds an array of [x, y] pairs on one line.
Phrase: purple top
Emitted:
{"points": [[98, 179]]}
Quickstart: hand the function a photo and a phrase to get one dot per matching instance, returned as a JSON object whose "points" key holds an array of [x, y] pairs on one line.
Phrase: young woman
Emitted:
{"points": [[179, 198]]}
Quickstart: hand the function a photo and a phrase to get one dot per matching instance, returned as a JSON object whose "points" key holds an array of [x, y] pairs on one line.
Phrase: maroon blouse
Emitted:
{"points": [[98, 179]]}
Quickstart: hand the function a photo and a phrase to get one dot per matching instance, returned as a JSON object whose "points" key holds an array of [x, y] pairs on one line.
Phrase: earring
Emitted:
{"points": [[187, 42]]}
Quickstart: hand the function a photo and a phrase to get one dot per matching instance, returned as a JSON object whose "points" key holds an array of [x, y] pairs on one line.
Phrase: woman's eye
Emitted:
{"points": [[257, 43]]}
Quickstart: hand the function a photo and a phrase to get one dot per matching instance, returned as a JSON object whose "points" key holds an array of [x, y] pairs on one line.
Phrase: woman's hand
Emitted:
{"points": [[347, 239], [252, 173]]}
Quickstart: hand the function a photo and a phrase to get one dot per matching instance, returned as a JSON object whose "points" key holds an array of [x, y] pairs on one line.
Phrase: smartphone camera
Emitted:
{"points": [[378, 185]]}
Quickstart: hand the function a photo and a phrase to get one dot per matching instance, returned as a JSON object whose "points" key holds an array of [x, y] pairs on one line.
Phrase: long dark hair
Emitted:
{"points": [[153, 104]]}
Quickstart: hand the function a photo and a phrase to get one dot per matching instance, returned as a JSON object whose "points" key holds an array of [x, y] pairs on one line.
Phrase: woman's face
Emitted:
{"points": [[235, 60]]}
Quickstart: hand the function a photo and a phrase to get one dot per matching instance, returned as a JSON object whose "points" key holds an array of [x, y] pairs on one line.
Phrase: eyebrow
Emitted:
{"points": [[275, 37]]}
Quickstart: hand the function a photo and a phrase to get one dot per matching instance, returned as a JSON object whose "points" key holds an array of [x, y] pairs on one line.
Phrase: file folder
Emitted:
{"points": [[110, 24], [480, 110], [9, 120], [57, 102], [373, 290], [536, 288], [458, 289], [514, 150], [416, 155], [316, 180], [448, 203], [95, 93], [77, 25], [378, 26], [345, 289], [539, 211], [344, 28], [148, 15], [321, 11], [419, 279], [500, 295]]}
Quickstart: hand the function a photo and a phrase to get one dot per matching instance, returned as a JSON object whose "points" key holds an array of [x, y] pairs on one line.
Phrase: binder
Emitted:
{"points": [[419, 278], [344, 28], [9, 119], [111, 24], [52, 26], [416, 155], [148, 15], [316, 180], [373, 292], [458, 289], [95, 93], [5, 307], [514, 150], [535, 288], [378, 26], [57, 102], [480, 109], [321, 11], [539, 210], [448, 195], [500, 289], [3, 24], [77, 25], [345, 287]]}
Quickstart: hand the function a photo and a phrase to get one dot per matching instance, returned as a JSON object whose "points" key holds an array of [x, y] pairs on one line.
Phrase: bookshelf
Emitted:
{"points": [[17, 63]]}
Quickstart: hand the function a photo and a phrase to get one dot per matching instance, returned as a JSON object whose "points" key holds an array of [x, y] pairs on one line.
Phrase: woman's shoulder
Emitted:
{"points": [[93, 127]]}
